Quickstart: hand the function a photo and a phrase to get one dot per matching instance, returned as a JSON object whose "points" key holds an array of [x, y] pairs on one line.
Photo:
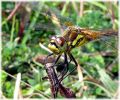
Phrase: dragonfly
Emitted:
{"points": [[71, 36]]}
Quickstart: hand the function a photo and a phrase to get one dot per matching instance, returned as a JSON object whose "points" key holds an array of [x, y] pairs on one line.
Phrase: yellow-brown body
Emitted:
{"points": [[73, 37]]}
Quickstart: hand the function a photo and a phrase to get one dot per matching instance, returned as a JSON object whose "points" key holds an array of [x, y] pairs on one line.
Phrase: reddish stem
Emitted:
{"points": [[14, 11], [21, 30]]}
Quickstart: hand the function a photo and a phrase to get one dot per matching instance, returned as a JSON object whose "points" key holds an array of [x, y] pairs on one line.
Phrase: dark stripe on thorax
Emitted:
{"points": [[54, 44]]}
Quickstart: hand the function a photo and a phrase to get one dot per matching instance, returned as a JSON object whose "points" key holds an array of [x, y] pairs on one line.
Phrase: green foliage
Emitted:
{"points": [[107, 81], [8, 89], [94, 19]]}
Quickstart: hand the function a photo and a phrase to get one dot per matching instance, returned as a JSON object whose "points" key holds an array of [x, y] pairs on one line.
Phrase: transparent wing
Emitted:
{"points": [[53, 21]]}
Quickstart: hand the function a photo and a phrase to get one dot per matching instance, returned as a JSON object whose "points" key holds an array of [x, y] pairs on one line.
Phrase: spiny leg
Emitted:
{"points": [[72, 58], [75, 62], [45, 61], [47, 58], [54, 64], [65, 69], [55, 60]]}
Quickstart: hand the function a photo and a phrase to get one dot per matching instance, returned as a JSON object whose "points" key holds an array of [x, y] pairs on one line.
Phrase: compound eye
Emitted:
{"points": [[61, 41]]}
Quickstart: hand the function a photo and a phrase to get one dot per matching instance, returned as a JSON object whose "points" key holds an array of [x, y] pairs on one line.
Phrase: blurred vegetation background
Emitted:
{"points": [[25, 25]]}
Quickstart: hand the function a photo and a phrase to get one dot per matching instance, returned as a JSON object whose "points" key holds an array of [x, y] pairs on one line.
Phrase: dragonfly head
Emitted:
{"points": [[57, 44]]}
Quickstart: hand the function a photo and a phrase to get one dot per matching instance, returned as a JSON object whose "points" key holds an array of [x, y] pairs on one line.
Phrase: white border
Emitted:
{"points": [[59, 1], [119, 51], [0, 50]]}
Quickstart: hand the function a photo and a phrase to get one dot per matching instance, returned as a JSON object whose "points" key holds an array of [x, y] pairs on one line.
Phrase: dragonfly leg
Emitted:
{"points": [[75, 62], [53, 63], [65, 69], [73, 59], [55, 60], [47, 57]]}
